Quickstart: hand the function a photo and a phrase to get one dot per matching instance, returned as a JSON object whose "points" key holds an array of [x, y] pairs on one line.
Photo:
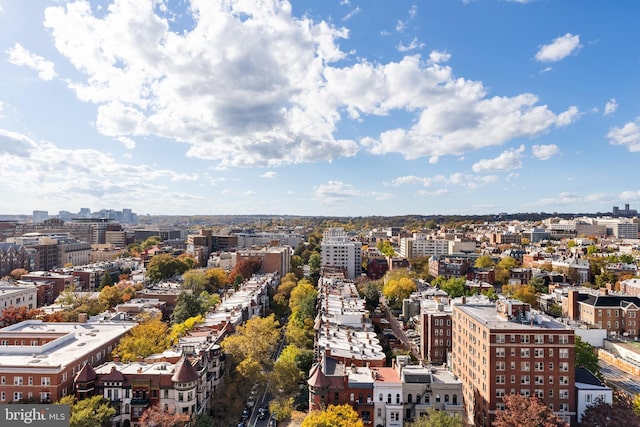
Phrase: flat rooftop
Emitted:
{"points": [[61, 344], [489, 316]]}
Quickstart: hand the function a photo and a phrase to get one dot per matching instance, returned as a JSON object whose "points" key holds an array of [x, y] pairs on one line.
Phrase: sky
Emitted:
{"points": [[331, 108]]}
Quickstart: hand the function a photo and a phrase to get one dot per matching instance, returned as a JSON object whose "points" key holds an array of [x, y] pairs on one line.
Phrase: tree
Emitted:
{"points": [[303, 299], [286, 374], [149, 337], [525, 411], [209, 300], [386, 248], [256, 339], [434, 418], [281, 407], [455, 286], [12, 314], [165, 266], [150, 242], [110, 296], [195, 281], [153, 416], [333, 416], [245, 268], [17, 273], [315, 261], [484, 261], [217, 278], [524, 293], [91, 412], [619, 414], [587, 357], [503, 269], [106, 280], [395, 290], [371, 294], [187, 305]]}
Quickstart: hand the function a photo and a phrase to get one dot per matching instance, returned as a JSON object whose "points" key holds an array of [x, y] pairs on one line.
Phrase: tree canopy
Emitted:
{"points": [[149, 337], [187, 305], [434, 418], [587, 357], [91, 412], [525, 411], [333, 416], [620, 413], [165, 266]]}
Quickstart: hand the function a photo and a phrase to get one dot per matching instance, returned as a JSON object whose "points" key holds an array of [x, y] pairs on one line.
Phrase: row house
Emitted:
{"points": [[14, 256], [384, 396], [18, 295], [450, 266]]}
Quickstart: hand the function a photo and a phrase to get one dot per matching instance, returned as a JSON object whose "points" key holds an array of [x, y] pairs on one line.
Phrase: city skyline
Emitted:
{"points": [[337, 108]]}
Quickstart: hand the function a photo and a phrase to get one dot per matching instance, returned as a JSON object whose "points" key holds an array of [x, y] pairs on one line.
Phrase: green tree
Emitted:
{"points": [[315, 261], [165, 266], [333, 416], [106, 280], [91, 412], [434, 418], [587, 357], [386, 248], [187, 305], [303, 299], [194, 280], [503, 269], [455, 286], [286, 374], [371, 294]]}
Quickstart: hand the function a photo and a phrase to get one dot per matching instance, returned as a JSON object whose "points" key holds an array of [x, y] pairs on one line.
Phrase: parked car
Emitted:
{"points": [[272, 422], [263, 412]]}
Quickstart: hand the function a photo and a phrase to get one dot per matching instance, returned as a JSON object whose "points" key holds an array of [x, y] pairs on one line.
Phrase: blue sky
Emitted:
{"points": [[347, 108]]}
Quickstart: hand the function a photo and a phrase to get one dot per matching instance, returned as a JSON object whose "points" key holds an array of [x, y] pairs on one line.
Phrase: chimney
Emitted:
{"points": [[116, 358], [82, 317]]}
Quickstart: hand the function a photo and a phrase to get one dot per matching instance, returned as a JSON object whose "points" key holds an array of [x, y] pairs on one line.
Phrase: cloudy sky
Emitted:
{"points": [[346, 108]]}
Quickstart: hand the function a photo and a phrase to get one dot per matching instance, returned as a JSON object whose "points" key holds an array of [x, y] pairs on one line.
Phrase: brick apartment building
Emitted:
{"points": [[40, 360], [502, 349]]}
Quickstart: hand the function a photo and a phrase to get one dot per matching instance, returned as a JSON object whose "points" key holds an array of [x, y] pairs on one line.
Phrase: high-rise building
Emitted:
{"points": [[501, 349], [339, 251], [40, 216]]}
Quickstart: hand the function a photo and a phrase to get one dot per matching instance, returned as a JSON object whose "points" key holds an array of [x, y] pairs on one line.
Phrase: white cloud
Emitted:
{"points": [[508, 160], [459, 179], [148, 80], [269, 174], [438, 57], [413, 45], [352, 13], [20, 56], [249, 193], [127, 142], [63, 176], [610, 107], [433, 160], [559, 48], [544, 152], [628, 135], [413, 11], [335, 192], [438, 192], [411, 180], [567, 117]]}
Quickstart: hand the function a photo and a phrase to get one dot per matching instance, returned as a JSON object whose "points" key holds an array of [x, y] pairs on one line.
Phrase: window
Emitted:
{"points": [[539, 393], [397, 399], [380, 397], [525, 392], [524, 339], [538, 339], [564, 353], [550, 352], [564, 366], [418, 398], [45, 397], [500, 352], [500, 365], [539, 380], [45, 381], [539, 366], [513, 379], [550, 379], [563, 393], [180, 396], [563, 339], [389, 398], [3, 397], [564, 380], [17, 381], [524, 379], [550, 392], [525, 366], [525, 352], [500, 338], [564, 407], [17, 395], [551, 366], [30, 380], [538, 352], [3, 380], [409, 398]]}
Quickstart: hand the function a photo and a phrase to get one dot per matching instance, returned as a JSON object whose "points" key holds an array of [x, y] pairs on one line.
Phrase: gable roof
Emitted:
{"points": [[86, 374]]}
